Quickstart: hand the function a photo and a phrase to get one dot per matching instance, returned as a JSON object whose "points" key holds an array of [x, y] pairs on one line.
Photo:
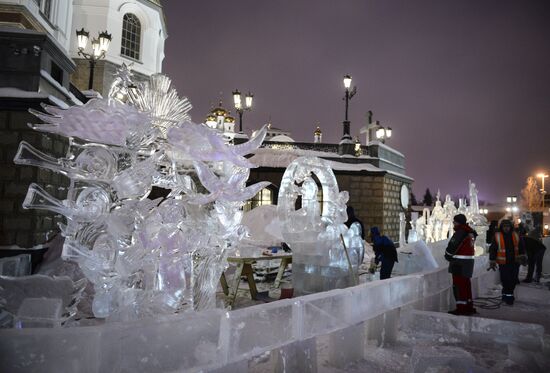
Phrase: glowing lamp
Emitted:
{"points": [[347, 81], [248, 100], [82, 37]]}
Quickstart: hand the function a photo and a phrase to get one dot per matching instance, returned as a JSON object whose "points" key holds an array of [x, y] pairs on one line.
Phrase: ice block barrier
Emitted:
{"points": [[472, 331], [277, 334]]}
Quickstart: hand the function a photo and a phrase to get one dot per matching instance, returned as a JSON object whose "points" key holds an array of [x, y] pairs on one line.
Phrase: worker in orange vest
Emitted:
{"points": [[508, 251], [460, 255]]}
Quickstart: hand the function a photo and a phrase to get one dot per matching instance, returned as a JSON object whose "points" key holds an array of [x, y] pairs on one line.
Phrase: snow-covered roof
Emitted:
{"points": [[60, 88], [277, 158], [281, 138], [11, 92], [389, 148], [281, 158]]}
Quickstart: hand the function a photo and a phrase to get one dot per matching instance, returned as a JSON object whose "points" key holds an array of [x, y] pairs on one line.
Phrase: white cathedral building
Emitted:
{"points": [[135, 26]]}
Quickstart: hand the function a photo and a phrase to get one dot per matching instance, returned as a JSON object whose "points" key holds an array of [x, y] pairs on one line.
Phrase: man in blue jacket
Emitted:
{"points": [[384, 251]]}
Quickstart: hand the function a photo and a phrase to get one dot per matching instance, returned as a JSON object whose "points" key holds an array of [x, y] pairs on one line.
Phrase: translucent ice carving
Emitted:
{"points": [[145, 257], [315, 232]]}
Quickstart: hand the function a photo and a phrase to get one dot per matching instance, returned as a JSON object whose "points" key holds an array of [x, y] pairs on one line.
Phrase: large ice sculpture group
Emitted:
{"points": [[144, 256], [326, 254], [438, 225]]}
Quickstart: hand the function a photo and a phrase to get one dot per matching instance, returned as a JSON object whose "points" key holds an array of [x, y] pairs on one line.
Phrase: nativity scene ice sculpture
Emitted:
{"points": [[437, 225], [316, 231], [144, 257]]}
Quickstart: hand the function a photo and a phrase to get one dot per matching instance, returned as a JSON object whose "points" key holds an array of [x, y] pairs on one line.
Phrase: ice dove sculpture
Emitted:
{"points": [[232, 189], [198, 142]]}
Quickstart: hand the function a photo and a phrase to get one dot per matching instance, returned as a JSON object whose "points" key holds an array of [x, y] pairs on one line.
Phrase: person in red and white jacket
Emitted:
{"points": [[460, 255]]}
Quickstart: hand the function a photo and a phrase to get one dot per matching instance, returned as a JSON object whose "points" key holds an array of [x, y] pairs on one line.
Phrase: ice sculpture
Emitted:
{"points": [[315, 234], [476, 219], [402, 228], [143, 256], [438, 225], [413, 233]]}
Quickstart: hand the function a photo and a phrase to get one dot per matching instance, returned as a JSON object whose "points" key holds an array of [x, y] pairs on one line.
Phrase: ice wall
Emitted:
{"points": [[217, 341]]}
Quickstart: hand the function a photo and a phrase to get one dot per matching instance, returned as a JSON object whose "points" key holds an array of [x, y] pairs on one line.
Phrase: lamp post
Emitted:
{"points": [[348, 96], [239, 107], [99, 49], [543, 176], [383, 133]]}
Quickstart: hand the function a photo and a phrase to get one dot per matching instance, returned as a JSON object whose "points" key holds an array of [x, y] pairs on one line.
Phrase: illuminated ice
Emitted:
{"points": [[145, 257], [325, 253]]}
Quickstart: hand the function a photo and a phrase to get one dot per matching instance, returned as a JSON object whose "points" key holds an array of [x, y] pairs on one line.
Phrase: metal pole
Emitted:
{"points": [[347, 104], [543, 191], [354, 277], [240, 120], [91, 81]]}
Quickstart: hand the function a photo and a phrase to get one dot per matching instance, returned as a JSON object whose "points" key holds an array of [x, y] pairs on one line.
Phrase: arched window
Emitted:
{"points": [[131, 36]]}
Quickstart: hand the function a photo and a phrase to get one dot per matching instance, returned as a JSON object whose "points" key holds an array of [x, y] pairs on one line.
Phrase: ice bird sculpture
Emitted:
{"points": [[144, 257]]}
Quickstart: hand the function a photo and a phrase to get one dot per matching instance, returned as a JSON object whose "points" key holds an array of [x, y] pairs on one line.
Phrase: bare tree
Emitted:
{"points": [[531, 197]]}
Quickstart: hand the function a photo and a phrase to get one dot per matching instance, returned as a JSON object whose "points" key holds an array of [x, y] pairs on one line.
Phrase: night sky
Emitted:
{"points": [[465, 84]]}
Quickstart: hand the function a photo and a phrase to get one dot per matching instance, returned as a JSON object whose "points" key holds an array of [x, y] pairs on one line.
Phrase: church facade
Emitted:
{"points": [[40, 64]]}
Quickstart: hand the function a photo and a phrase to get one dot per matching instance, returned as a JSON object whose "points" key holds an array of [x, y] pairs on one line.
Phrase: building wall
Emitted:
{"points": [[100, 15], [58, 25], [103, 75], [26, 228]]}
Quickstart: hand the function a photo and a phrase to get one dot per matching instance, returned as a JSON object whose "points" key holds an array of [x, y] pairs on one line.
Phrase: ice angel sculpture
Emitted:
{"points": [[143, 256]]}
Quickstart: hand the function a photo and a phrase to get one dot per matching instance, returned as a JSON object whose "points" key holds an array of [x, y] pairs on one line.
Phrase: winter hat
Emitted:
{"points": [[460, 219], [374, 231]]}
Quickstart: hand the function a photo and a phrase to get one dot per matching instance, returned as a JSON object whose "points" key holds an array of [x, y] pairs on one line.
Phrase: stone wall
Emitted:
{"points": [[104, 73], [26, 228], [365, 196]]}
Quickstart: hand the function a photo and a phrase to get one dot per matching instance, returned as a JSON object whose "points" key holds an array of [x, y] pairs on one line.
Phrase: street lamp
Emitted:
{"points": [[238, 101], [512, 207], [383, 133], [348, 96], [543, 176], [99, 49]]}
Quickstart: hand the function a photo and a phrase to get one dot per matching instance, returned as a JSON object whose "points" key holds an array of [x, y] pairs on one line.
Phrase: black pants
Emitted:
{"points": [[535, 260], [387, 267], [508, 278]]}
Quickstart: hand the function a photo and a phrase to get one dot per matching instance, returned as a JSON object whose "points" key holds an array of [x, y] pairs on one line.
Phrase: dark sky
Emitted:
{"points": [[465, 84]]}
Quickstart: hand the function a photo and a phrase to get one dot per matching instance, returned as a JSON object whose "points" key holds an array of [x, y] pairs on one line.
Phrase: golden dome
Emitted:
{"points": [[219, 111], [229, 119], [210, 118], [318, 131]]}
